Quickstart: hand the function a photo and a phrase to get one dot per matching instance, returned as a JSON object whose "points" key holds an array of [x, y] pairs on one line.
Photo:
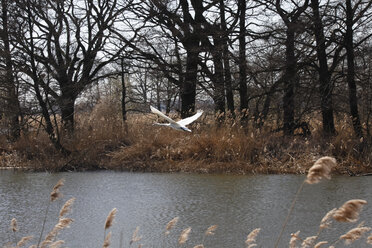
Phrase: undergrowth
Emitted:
{"points": [[102, 141]]}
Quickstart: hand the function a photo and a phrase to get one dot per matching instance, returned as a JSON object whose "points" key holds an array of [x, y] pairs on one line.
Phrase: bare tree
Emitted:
{"points": [[325, 84], [353, 15], [243, 93], [69, 41], [293, 24]]}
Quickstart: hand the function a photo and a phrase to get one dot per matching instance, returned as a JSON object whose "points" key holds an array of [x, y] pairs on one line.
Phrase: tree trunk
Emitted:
{"points": [[228, 83], [218, 81], [48, 122], [349, 44], [242, 60], [123, 92], [67, 106], [226, 62], [325, 87], [188, 87], [12, 103], [289, 81]]}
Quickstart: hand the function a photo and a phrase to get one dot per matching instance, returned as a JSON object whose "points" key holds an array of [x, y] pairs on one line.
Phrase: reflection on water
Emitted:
{"points": [[237, 204]]}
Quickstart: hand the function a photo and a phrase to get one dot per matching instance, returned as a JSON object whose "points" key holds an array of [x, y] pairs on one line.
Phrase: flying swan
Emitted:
{"points": [[178, 125]]}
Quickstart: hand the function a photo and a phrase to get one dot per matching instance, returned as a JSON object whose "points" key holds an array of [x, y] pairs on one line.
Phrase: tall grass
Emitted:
{"points": [[103, 141]]}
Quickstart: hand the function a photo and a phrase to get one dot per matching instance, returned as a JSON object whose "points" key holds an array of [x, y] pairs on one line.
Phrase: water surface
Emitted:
{"points": [[237, 204]]}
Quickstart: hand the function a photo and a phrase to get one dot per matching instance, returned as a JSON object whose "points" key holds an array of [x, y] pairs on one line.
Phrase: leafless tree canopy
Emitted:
{"points": [[281, 61]]}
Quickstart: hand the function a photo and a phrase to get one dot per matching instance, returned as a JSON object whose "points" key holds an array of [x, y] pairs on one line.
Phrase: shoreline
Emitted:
{"points": [[197, 167]]}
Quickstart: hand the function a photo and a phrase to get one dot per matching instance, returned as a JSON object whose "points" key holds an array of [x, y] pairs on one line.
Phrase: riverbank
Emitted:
{"points": [[108, 144]]}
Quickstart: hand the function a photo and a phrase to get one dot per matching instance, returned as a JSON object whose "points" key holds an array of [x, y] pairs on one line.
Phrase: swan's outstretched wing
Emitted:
{"points": [[190, 119], [157, 112]]}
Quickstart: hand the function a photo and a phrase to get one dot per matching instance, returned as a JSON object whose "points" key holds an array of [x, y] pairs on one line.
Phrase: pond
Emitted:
{"points": [[236, 203]]}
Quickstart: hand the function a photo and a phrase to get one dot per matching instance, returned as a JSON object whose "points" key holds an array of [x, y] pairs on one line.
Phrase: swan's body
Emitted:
{"points": [[178, 125]]}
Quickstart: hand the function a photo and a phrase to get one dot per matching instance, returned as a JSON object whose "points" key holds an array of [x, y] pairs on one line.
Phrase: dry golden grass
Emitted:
{"points": [[102, 141]]}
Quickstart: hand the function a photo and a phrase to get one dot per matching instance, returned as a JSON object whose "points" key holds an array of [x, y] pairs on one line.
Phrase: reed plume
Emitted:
{"points": [[55, 194], [293, 240], [184, 236], [108, 223], [251, 237], [13, 225], [327, 219], [369, 239], [62, 224], [308, 242], [319, 244], [56, 244], [349, 211], [321, 169], [107, 240], [66, 207], [23, 241], [210, 230], [135, 237], [110, 218], [355, 233], [171, 224]]}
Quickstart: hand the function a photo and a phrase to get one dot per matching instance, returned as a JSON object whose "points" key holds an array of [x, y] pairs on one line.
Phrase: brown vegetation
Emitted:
{"points": [[103, 141]]}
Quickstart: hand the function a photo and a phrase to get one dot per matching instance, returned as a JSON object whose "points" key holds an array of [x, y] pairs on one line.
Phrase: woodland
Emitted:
{"points": [[281, 82]]}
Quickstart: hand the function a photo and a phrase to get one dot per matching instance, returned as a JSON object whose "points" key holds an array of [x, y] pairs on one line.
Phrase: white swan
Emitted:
{"points": [[179, 125]]}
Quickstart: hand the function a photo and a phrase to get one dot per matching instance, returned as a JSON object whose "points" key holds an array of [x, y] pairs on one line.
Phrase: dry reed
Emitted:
{"points": [[251, 237], [52, 235], [56, 244], [321, 169], [210, 230], [55, 194], [23, 241], [66, 207], [308, 242], [171, 224], [135, 237], [355, 234], [349, 211], [110, 218], [102, 140], [327, 219], [107, 241], [13, 225], [294, 238], [108, 223], [184, 236], [369, 239], [319, 244]]}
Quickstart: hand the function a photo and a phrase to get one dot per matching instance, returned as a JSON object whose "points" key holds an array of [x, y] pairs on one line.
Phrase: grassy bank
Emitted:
{"points": [[102, 141]]}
